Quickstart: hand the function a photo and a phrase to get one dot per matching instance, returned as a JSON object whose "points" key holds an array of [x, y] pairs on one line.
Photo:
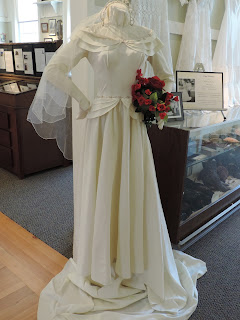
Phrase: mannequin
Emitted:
{"points": [[123, 265]]}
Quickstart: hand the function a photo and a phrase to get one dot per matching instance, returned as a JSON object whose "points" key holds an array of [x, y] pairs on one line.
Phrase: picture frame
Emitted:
{"points": [[52, 27], [44, 27], [201, 90], [48, 39], [176, 113]]}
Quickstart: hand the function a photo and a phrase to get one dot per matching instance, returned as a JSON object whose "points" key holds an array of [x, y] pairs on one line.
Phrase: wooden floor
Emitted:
{"points": [[26, 266]]}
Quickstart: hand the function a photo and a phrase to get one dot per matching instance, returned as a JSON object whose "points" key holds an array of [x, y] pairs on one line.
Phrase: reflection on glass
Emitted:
{"points": [[213, 166]]}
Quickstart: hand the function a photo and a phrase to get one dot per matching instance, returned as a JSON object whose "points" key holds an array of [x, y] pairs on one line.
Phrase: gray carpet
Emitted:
{"points": [[42, 203]]}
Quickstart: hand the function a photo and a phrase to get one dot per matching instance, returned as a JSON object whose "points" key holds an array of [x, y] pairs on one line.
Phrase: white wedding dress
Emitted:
{"points": [[153, 14], [123, 265], [227, 56], [196, 45]]}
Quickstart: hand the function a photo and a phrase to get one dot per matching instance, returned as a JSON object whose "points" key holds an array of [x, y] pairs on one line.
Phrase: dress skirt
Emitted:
{"points": [[123, 265]]}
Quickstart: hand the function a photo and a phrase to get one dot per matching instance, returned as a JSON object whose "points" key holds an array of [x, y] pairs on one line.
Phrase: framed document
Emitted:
{"points": [[48, 39], [201, 90], [52, 27], [44, 27], [176, 113]]}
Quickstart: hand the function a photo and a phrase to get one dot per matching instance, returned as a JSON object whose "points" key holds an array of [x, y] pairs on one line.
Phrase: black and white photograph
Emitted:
{"points": [[176, 113], [52, 27], [187, 87], [200, 90]]}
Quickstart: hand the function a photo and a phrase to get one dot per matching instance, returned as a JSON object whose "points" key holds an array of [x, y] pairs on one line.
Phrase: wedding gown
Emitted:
{"points": [[196, 45], [153, 14], [123, 265], [227, 55]]}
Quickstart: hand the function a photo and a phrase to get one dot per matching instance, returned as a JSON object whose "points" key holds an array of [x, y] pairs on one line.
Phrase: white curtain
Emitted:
{"points": [[196, 44], [227, 53], [153, 14]]}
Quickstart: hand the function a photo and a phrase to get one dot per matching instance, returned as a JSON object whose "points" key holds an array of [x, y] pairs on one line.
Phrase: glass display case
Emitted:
{"points": [[202, 176], [213, 166], [21, 149], [17, 86]]}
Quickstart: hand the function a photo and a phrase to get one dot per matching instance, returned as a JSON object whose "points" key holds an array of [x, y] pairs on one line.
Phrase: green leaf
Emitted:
{"points": [[154, 97]]}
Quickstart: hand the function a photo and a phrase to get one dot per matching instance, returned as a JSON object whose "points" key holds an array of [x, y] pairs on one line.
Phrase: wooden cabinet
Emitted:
{"points": [[22, 151], [198, 174]]}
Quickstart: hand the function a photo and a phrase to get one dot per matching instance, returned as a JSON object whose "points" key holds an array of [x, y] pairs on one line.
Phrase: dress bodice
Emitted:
{"points": [[115, 70]]}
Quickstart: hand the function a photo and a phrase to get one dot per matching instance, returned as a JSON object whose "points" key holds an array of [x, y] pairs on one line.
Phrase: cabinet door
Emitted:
{"points": [[4, 123], [5, 138], [5, 157]]}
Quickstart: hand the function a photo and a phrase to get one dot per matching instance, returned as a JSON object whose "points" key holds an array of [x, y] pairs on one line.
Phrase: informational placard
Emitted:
{"points": [[2, 60], [23, 88], [28, 62], [9, 61], [201, 90], [18, 57], [32, 86], [40, 59], [49, 56], [14, 87]]}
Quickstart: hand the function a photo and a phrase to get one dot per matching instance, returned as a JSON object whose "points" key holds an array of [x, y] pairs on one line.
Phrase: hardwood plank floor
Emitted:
{"points": [[26, 266]]}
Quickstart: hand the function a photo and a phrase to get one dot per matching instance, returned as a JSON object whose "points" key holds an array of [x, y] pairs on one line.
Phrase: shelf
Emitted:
{"points": [[48, 2], [213, 156], [49, 9]]}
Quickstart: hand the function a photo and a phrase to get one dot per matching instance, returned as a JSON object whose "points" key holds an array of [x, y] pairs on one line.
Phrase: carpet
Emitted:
{"points": [[43, 204]]}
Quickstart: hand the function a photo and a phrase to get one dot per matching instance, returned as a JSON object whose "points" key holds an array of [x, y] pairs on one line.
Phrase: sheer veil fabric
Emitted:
{"points": [[123, 265], [153, 14], [196, 46], [227, 58]]}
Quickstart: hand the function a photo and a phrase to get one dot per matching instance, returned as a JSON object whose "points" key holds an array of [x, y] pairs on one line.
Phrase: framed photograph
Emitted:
{"points": [[176, 113], [201, 90], [52, 27], [48, 39], [44, 27]]}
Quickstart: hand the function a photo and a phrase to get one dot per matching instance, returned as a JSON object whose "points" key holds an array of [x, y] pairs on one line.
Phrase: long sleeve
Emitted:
{"points": [[57, 72], [162, 70], [51, 110]]}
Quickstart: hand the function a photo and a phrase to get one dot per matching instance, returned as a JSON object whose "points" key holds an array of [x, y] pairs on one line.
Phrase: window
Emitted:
{"points": [[27, 13]]}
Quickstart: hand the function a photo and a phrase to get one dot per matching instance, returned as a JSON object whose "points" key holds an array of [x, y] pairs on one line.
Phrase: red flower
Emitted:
{"points": [[139, 74], [148, 102], [148, 92], [151, 108], [156, 82], [137, 86], [142, 81], [141, 100], [163, 115], [167, 102], [161, 107], [176, 98], [169, 96], [168, 109], [146, 81]]}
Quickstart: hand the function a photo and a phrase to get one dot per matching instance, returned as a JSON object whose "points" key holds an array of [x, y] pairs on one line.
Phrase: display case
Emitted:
{"points": [[22, 151], [198, 173]]}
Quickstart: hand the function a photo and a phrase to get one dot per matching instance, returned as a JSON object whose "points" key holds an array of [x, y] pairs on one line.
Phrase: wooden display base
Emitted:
{"points": [[26, 266]]}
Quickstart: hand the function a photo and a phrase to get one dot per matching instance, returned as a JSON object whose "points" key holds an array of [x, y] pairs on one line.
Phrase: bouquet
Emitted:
{"points": [[150, 98]]}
